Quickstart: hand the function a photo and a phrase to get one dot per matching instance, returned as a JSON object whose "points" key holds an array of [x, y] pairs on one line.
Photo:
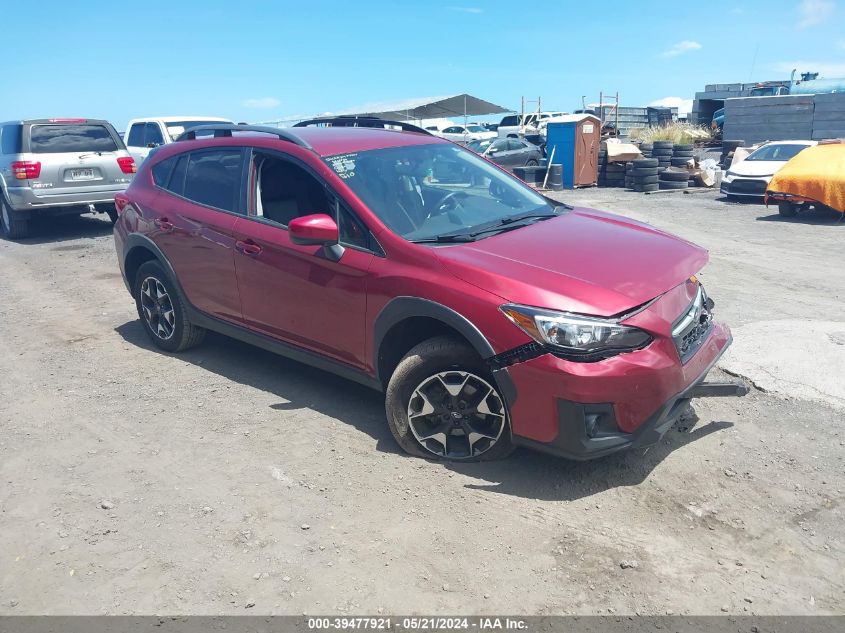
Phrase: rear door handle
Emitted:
{"points": [[247, 247], [164, 224]]}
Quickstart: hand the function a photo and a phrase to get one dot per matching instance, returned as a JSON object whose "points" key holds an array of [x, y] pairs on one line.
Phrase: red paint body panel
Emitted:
{"points": [[585, 262], [316, 229]]}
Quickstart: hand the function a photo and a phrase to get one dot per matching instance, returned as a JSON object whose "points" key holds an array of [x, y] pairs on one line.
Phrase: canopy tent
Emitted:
{"points": [[430, 108]]}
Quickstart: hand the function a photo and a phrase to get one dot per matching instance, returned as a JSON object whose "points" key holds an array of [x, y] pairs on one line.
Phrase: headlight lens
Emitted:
{"points": [[574, 336]]}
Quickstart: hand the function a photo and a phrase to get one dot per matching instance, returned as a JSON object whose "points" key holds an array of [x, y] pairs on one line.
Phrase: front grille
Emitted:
{"points": [[693, 326], [751, 187]]}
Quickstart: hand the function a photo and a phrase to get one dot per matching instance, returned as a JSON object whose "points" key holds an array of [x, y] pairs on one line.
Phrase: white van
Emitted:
{"points": [[142, 135]]}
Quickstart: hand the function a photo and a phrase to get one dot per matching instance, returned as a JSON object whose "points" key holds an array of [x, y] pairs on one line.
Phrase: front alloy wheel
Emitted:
{"points": [[442, 403], [157, 308], [456, 415]]}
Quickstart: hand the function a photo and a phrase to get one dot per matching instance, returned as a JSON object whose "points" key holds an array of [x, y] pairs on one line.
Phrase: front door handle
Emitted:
{"points": [[164, 224], [247, 247]]}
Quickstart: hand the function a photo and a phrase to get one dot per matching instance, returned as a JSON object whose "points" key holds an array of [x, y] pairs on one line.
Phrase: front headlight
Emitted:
{"points": [[576, 337]]}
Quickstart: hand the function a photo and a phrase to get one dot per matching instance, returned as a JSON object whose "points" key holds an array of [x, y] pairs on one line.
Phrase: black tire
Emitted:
{"points": [[532, 163], [674, 176], [684, 147], [646, 188], [615, 168], [662, 153], [646, 180], [112, 215], [680, 162], [435, 356], [662, 145], [13, 224], [787, 209], [644, 163], [672, 184], [644, 171], [184, 334]]}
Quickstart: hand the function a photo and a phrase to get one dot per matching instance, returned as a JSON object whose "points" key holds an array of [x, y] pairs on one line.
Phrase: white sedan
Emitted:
{"points": [[750, 177], [467, 133]]}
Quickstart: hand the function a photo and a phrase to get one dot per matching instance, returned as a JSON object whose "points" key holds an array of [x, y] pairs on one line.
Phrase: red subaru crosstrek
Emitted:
{"points": [[490, 315]]}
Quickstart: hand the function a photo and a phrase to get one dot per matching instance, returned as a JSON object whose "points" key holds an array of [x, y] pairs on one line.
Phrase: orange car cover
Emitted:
{"points": [[816, 173]]}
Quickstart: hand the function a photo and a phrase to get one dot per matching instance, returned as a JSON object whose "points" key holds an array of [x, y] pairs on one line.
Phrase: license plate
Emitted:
{"points": [[82, 174]]}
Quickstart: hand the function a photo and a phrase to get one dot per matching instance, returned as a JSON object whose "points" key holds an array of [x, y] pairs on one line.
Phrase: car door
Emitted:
{"points": [[518, 153], [201, 198], [294, 293]]}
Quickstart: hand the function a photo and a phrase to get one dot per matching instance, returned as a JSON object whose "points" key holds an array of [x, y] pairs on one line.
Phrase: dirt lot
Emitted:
{"points": [[228, 479]]}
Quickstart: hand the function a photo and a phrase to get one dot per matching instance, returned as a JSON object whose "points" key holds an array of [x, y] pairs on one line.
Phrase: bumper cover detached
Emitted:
{"points": [[588, 431]]}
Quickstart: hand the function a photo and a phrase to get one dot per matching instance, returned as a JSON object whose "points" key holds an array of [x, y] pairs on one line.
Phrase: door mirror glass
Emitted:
{"points": [[317, 229]]}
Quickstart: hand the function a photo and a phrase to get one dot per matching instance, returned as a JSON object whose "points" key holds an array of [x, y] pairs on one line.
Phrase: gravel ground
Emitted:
{"points": [[227, 479]]}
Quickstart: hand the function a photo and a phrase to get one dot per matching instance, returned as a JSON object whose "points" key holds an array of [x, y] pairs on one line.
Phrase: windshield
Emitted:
{"points": [[778, 152], [475, 128], [510, 121], [424, 191]]}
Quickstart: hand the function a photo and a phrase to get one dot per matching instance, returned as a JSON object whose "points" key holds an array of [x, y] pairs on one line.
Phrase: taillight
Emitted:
{"points": [[26, 169], [127, 164], [120, 202]]}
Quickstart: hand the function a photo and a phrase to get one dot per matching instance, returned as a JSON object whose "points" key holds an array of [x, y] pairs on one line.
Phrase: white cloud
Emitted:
{"points": [[467, 9], [684, 105], [814, 11], [680, 48], [262, 103], [825, 69]]}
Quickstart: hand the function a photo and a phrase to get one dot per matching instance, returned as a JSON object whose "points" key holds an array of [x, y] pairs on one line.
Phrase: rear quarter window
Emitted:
{"points": [[64, 138], [10, 139]]}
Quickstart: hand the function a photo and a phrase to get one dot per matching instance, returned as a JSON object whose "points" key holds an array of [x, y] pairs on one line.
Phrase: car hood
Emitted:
{"points": [[756, 168], [585, 261]]}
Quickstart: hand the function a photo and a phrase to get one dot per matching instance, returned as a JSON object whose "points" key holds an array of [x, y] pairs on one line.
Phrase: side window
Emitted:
{"points": [[161, 171], [10, 139], [351, 231], [176, 183], [152, 135], [286, 191], [501, 146], [136, 135], [214, 178], [515, 144]]}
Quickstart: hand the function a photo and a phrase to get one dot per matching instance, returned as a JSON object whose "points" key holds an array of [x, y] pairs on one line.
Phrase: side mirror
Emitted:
{"points": [[318, 229], [492, 150]]}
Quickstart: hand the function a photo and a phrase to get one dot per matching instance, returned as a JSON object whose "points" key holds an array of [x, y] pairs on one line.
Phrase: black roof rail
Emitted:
{"points": [[361, 121], [223, 130]]}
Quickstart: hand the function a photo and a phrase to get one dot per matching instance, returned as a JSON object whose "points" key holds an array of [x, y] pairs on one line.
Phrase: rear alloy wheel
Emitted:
{"points": [[13, 225], [532, 163], [441, 404], [162, 311]]}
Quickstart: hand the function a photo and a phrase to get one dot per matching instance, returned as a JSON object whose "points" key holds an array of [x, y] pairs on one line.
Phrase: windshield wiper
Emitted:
{"points": [[514, 222], [445, 239]]}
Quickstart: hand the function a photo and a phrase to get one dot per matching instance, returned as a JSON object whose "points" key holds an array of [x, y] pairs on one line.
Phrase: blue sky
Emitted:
{"points": [[262, 59]]}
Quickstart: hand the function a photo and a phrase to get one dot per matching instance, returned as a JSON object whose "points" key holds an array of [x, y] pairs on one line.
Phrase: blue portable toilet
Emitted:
{"points": [[575, 139]]}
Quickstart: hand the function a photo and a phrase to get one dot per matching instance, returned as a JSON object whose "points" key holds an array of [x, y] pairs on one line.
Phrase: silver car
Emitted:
{"points": [[59, 167]]}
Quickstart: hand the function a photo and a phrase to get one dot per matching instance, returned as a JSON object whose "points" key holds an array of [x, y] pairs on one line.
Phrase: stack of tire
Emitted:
{"points": [[662, 151], [644, 174], [646, 149], [682, 154], [629, 178], [614, 175], [728, 148], [674, 178], [601, 165]]}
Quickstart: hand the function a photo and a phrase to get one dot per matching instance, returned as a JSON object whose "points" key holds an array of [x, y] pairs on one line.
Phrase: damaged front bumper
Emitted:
{"points": [[644, 394]]}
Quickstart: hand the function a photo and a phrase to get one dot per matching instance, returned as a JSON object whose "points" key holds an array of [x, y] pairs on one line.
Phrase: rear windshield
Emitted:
{"points": [[82, 137], [509, 121]]}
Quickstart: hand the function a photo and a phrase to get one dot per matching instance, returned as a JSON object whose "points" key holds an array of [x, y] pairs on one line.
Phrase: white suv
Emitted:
{"points": [[142, 135]]}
